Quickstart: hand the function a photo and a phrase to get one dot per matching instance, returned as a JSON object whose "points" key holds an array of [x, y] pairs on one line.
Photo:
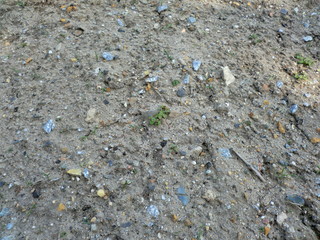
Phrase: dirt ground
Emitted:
{"points": [[160, 120]]}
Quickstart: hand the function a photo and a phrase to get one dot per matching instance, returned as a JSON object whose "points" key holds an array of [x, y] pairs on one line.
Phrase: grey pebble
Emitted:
{"points": [[295, 199], [4, 212], [293, 108], [182, 196], [196, 65], [108, 56], [120, 23], [186, 79], [48, 126], [181, 92], [162, 8], [9, 226], [86, 173], [191, 20], [279, 84], [225, 152], [126, 224], [307, 38], [284, 11], [153, 211], [152, 79]]}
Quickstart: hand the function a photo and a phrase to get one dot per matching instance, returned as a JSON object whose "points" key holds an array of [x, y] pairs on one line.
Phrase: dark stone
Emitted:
{"points": [[36, 193]]}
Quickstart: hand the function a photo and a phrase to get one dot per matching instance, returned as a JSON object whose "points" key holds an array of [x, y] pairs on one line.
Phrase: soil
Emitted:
{"points": [[237, 157]]}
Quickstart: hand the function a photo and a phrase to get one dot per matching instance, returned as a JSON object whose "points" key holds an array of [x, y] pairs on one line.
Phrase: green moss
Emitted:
{"points": [[304, 60]]}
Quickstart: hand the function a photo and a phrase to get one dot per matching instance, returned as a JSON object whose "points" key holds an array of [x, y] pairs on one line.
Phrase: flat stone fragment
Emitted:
{"points": [[209, 195], [91, 115], [49, 126], [281, 218], [196, 65], [228, 76], [162, 8], [295, 199]]}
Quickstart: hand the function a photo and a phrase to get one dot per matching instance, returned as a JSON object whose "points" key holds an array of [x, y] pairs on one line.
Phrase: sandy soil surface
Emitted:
{"points": [[160, 120]]}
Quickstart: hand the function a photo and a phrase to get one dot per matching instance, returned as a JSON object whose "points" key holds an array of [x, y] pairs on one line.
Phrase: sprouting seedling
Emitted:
{"points": [[162, 114]]}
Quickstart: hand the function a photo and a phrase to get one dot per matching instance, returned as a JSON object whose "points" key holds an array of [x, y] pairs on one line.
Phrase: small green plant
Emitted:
{"points": [[304, 60], [166, 53], [21, 4], [173, 149], [175, 82], [301, 76], [162, 114], [255, 38]]}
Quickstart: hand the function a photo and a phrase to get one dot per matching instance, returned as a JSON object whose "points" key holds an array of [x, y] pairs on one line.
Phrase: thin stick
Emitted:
{"points": [[249, 166]]}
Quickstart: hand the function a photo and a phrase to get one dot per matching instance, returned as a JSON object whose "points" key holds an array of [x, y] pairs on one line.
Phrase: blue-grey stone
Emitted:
{"points": [[279, 84], [293, 108], [295, 199], [153, 211], [48, 126], [162, 8], [152, 79], [307, 38], [182, 196], [306, 24], [284, 11], [4, 212], [10, 237], [126, 224], [9, 226], [191, 20], [181, 92], [186, 79], [280, 30], [225, 152], [108, 56], [86, 173], [196, 65], [120, 23]]}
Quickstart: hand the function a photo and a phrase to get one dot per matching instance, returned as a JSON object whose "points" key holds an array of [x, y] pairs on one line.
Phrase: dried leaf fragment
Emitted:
{"points": [[315, 140], [61, 207], [281, 128], [74, 172], [28, 60], [266, 230], [71, 9]]}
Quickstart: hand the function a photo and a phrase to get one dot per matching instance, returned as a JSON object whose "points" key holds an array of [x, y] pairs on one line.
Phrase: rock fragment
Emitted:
{"points": [[228, 76]]}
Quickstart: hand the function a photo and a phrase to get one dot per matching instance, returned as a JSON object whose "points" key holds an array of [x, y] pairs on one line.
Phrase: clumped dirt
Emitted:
{"points": [[230, 161]]}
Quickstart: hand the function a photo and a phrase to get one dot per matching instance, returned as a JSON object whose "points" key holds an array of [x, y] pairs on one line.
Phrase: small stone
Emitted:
{"points": [[49, 126], [182, 196], [228, 76], [101, 193], [186, 79], [108, 56], [188, 222], [209, 195], [293, 108], [74, 172], [94, 227], [279, 84], [284, 11], [153, 211], [36, 193], [64, 150], [281, 218], [174, 218], [152, 79], [315, 140], [5, 212], [61, 207], [126, 224], [225, 152], [162, 8], [307, 38], [91, 115], [295, 199], [181, 92], [120, 23], [86, 173], [195, 152], [196, 65], [191, 20], [9, 226]]}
